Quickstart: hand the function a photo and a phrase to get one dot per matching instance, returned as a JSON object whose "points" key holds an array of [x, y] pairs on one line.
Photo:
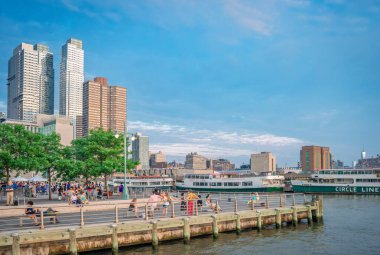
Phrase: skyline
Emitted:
{"points": [[246, 77]]}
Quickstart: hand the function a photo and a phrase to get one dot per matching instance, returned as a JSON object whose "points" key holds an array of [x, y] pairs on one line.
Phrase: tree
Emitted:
{"points": [[17, 150], [107, 154]]}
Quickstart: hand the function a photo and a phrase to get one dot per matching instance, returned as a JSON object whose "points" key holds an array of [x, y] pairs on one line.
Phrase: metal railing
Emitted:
{"points": [[142, 209]]}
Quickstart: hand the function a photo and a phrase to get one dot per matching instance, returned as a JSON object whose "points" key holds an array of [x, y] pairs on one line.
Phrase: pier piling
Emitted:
{"points": [[154, 234], [16, 244], [215, 230], [309, 215], [73, 242], [295, 216], [186, 230], [115, 242], [238, 223], [278, 218], [259, 221]]}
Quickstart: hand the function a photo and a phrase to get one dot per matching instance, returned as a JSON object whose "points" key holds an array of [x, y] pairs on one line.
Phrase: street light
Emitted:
{"points": [[125, 190]]}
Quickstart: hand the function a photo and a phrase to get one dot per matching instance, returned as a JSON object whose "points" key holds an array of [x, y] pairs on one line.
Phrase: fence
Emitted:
{"points": [[142, 209]]}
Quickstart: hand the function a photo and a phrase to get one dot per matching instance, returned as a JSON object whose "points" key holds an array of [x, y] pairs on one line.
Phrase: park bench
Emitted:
{"points": [[49, 216]]}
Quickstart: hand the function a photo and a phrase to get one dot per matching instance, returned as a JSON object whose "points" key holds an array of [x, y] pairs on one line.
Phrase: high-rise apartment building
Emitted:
{"points": [[30, 82], [263, 162], [103, 106], [71, 79], [195, 161], [140, 150], [315, 158]]}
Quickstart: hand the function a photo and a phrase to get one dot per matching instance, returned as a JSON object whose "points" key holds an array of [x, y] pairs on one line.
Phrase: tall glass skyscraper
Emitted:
{"points": [[30, 82], [140, 150], [71, 79]]}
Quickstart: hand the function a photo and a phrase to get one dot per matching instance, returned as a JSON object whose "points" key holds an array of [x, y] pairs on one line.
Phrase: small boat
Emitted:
{"points": [[232, 182], [341, 181]]}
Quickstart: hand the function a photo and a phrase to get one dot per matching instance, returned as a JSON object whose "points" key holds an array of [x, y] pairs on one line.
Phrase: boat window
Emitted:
{"points": [[207, 177], [218, 184], [247, 183], [201, 177]]}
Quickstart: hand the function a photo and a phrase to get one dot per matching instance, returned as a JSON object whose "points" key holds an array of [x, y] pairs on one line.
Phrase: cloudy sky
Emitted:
{"points": [[225, 78]]}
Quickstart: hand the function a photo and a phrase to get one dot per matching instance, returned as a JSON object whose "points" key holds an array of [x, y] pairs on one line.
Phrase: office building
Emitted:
{"points": [[103, 106], [48, 124], [71, 79], [315, 158], [157, 159], [222, 165], [263, 162], [140, 150], [195, 161], [30, 82]]}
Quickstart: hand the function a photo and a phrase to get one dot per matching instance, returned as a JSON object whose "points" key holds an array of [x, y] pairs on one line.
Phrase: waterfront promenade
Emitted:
{"points": [[106, 225]]}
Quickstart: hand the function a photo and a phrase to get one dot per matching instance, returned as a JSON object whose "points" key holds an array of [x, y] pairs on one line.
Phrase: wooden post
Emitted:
{"points": [[309, 215], [294, 200], [316, 215], [154, 234], [173, 209], [304, 198], [267, 202], [186, 230], [259, 221], [196, 207], [238, 223], [320, 203], [16, 244], [146, 211], [42, 226], [280, 200], [115, 242], [217, 207], [81, 217], [295, 216], [236, 205], [117, 214], [73, 242], [285, 200], [278, 218], [215, 230]]}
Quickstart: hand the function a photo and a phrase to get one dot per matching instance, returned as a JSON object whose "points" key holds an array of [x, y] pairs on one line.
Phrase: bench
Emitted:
{"points": [[51, 217]]}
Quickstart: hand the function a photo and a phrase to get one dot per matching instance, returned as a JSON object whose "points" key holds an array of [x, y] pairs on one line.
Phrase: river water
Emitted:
{"points": [[351, 225]]}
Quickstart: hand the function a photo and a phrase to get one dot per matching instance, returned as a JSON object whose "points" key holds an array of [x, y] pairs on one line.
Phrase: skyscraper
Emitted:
{"points": [[195, 161], [30, 82], [103, 106], [140, 150], [71, 79]]}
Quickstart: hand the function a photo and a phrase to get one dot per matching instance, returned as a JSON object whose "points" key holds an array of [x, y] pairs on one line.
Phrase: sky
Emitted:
{"points": [[224, 78]]}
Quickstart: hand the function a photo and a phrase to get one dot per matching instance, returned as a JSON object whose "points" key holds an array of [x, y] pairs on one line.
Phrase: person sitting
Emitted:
{"points": [[73, 199], [31, 213], [133, 207], [83, 199]]}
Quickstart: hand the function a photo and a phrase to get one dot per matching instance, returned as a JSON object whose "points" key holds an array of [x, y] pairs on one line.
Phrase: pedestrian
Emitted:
{"points": [[165, 198], [183, 203], [191, 198], [10, 192]]}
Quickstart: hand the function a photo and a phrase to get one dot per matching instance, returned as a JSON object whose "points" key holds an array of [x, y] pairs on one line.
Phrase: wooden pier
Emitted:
{"points": [[121, 234]]}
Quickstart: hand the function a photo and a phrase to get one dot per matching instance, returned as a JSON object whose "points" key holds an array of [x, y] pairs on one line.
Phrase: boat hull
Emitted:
{"points": [[205, 189], [336, 189]]}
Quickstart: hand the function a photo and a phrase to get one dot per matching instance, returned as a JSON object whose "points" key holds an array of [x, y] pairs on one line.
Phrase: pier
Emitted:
{"points": [[120, 230]]}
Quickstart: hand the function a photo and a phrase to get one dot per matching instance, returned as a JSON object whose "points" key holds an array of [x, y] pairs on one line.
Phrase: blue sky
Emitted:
{"points": [[224, 78]]}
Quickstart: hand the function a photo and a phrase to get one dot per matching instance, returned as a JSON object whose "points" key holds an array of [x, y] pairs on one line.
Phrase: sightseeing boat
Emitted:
{"points": [[342, 181], [232, 182]]}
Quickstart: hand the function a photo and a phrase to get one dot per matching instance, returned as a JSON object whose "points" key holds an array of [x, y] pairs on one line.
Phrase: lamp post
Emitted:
{"points": [[125, 190]]}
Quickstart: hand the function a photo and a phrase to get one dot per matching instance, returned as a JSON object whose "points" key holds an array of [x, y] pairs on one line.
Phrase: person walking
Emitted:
{"points": [[10, 192], [191, 197]]}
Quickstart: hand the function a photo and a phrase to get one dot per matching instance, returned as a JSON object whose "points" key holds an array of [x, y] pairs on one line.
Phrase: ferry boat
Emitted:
{"points": [[342, 181], [232, 182], [144, 182]]}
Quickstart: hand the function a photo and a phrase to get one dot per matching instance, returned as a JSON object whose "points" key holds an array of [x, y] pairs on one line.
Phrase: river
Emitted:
{"points": [[350, 226]]}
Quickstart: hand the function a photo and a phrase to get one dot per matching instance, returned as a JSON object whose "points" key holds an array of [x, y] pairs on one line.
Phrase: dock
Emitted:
{"points": [[276, 210]]}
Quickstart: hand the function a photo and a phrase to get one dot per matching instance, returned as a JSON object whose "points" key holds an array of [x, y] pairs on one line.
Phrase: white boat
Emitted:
{"points": [[232, 182], [342, 181], [151, 182]]}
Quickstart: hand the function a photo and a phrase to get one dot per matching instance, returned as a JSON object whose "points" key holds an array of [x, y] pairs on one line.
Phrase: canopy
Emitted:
{"points": [[19, 179], [37, 179]]}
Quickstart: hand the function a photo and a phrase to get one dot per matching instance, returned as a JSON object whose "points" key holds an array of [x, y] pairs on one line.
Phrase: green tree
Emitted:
{"points": [[107, 154], [17, 149]]}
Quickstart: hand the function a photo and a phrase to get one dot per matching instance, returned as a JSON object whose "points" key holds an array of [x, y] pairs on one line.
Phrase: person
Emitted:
{"points": [[10, 191], [133, 207], [199, 202], [165, 198], [73, 199], [121, 188], [31, 213], [83, 199], [253, 199], [152, 202], [60, 193], [183, 203], [191, 197]]}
